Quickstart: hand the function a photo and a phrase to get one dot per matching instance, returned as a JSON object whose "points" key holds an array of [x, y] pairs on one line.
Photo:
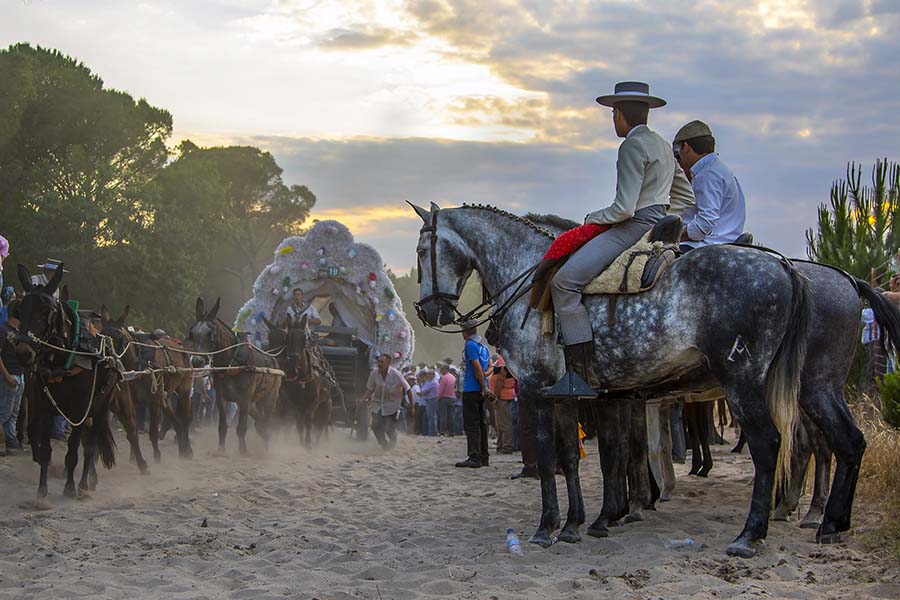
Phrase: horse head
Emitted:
{"points": [[40, 315], [114, 329], [296, 344], [204, 334], [444, 265]]}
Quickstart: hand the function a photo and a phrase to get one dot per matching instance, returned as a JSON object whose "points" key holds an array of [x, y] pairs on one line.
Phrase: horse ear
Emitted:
{"points": [[53, 284], [25, 278], [104, 313], [268, 323], [435, 207], [64, 294], [121, 320], [424, 214], [214, 310], [199, 308]]}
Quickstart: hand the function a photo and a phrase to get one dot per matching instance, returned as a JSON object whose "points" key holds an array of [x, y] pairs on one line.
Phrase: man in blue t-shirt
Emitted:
{"points": [[476, 358]]}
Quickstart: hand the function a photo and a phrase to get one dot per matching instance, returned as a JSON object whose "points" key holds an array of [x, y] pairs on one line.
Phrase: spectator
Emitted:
{"points": [[6, 297], [384, 391], [429, 387], [476, 358], [503, 384], [446, 385], [456, 419], [49, 268], [415, 380], [4, 253], [12, 384]]}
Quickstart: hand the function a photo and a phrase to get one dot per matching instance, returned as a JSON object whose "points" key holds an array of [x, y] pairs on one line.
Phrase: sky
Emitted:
{"points": [[371, 103]]}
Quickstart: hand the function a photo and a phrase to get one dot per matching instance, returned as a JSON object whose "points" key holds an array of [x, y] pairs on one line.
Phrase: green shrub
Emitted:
{"points": [[889, 387]]}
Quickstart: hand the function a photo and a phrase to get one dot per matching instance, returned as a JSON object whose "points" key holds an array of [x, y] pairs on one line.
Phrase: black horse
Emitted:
{"points": [[80, 392]]}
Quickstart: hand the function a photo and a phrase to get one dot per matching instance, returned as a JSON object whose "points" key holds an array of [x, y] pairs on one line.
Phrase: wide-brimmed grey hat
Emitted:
{"points": [[631, 91]]}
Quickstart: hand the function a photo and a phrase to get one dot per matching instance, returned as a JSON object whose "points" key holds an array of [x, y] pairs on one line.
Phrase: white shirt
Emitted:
{"points": [[720, 210], [297, 313]]}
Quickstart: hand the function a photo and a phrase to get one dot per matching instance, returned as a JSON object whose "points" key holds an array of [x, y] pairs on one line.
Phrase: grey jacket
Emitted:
{"points": [[646, 174]]}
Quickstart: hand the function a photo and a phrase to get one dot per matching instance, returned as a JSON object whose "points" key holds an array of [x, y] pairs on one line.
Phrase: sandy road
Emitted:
{"points": [[347, 521]]}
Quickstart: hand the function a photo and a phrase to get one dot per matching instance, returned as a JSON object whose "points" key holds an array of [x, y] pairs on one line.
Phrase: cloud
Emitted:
{"points": [[366, 38]]}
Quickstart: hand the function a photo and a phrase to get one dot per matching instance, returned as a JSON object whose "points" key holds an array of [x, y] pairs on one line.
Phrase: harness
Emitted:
{"points": [[449, 301]]}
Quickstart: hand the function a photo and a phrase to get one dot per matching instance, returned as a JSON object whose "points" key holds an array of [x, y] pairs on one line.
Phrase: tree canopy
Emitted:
{"points": [[86, 176], [859, 230]]}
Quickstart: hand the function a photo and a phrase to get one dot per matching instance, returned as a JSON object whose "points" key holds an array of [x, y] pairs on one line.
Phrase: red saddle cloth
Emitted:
{"points": [[570, 241]]}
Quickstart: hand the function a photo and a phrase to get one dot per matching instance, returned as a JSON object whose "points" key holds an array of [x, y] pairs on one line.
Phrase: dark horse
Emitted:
{"points": [[238, 378], [81, 393], [734, 316], [309, 386]]}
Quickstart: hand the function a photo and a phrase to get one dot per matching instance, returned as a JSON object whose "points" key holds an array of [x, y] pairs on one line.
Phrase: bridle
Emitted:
{"points": [[481, 314]]}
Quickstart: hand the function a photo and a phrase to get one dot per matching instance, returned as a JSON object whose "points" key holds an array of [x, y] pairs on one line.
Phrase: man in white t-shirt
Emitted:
{"points": [[300, 308]]}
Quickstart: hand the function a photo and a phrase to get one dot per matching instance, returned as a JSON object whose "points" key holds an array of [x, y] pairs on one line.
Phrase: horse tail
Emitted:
{"points": [[783, 377], [887, 314]]}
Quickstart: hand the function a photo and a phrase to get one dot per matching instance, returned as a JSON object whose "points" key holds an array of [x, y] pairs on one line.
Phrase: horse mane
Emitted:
{"points": [[549, 220], [525, 221]]}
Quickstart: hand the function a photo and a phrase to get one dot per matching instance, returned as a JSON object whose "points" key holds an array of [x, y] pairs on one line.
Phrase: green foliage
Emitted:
{"points": [[860, 229], [889, 389], [85, 177]]}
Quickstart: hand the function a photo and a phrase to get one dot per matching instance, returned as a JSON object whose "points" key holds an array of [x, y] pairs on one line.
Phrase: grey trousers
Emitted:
{"points": [[588, 262]]}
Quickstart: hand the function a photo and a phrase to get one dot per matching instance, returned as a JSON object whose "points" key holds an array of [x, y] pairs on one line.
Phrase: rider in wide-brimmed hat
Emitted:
{"points": [[49, 268], [648, 180]]}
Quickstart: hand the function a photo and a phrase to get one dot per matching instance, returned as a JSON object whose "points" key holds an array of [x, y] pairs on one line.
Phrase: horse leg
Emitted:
{"points": [[569, 457], [72, 461], [640, 495], [611, 436], [153, 409], [706, 426], [181, 420], [123, 408], [545, 422], [260, 423], [89, 448], [692, 417], [816, 511], [829, 412], [667, 468], [223, 419], [764, 440], [243, 413], [654, 441], [787, 496]]}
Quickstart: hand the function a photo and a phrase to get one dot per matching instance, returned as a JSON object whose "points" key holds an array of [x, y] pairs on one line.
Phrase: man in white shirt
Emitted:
{"points": [[720, 210], [300, 308]]}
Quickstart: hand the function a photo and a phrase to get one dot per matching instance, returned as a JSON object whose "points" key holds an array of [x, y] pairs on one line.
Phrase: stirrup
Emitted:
{"points": [[570, 385]]}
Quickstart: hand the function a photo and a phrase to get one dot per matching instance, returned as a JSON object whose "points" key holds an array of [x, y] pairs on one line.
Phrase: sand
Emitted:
{"points": [[349, 521]]}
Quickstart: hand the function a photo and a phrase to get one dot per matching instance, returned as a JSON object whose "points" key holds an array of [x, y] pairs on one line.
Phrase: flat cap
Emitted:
{"points": [[692, 130]]}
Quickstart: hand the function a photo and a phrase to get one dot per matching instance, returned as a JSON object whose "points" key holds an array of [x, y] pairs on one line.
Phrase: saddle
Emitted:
{"points": [[634, 271]]}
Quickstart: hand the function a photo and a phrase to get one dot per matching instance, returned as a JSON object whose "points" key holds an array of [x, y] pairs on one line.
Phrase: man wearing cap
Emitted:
{"points": [[648, 180], [720, 211], [43, 278]]}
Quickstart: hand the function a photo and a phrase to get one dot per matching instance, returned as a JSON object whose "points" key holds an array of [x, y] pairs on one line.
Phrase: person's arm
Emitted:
{"points": [[629, 180], [7, 376], [708, 192], [313, 317], [370, 389]]}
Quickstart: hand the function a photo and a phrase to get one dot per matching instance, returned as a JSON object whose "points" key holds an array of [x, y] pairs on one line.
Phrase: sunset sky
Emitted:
{"points": [[373, 103]]}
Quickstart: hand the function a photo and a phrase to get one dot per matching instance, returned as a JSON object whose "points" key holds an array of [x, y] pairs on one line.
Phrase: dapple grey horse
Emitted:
{"points": [[734, 316]]}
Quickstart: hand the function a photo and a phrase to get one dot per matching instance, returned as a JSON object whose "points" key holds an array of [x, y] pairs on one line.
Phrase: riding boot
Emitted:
{"points": [[580, 358]]}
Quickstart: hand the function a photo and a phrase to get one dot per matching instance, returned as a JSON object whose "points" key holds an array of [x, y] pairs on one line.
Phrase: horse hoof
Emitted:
{"points": [[542, 539], [780, 515], [741, 550], [829, 538], [69, 492], [186, 455], [634, 517], [598, 530], [569, 536], [144, 468], [82, 495], [810, 523], [704, 472]]}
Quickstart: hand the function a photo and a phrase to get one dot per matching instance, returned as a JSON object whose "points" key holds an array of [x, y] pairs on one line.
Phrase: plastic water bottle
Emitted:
{"points": [[675, 544], [513, 544]]}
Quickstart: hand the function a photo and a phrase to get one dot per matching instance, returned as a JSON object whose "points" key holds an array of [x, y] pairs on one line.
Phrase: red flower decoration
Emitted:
{"points": [[372, 276]]}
